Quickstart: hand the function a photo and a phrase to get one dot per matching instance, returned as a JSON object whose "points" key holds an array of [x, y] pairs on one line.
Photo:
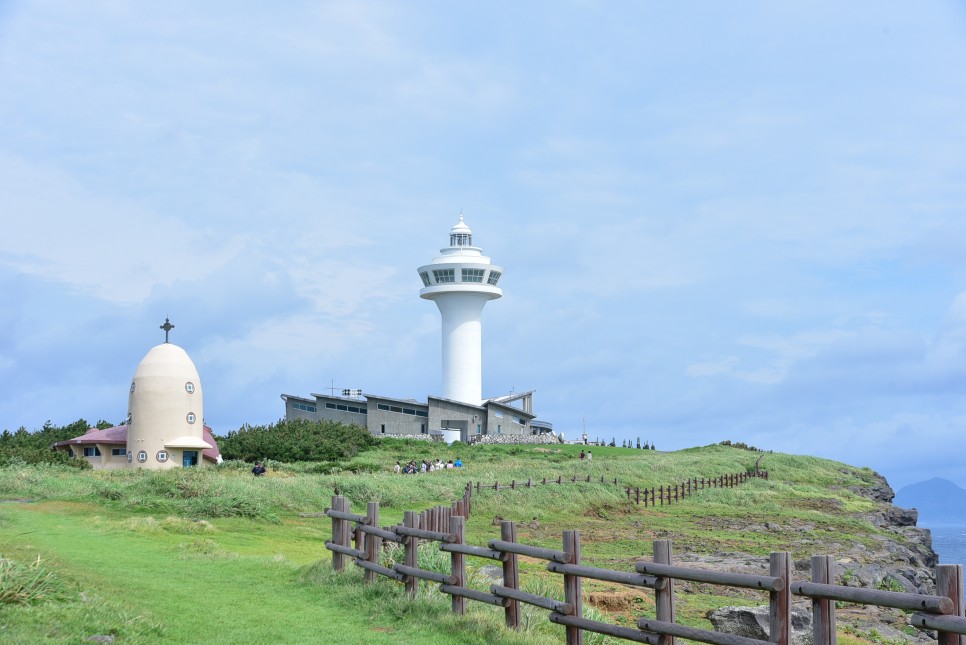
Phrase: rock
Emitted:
{"points": [[752, 622], [101, 638]]}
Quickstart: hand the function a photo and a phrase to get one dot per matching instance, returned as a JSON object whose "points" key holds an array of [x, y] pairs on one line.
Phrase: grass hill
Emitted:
{"points": [[150, 556]]}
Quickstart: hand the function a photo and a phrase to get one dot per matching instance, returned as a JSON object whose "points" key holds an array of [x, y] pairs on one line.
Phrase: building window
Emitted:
{"points": [[499, 429], [190, 417], [383, 406], [422, 428], [162, 456], [494, 278], [409, 411], [92, 451], [330, 406], [498, 414], [383, 429], [394, 408], [189, 387], [343, 408], [425, 278], [118, 452], [479, 428], [130, 456], [142, 456], [422, 413], [132, 387], [305, 407], [473, 275], [444, 275], [460, 239]]}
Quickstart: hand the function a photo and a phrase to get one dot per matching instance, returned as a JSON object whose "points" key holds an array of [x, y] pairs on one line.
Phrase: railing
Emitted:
{"points": [[943, 612], [659, 495]]}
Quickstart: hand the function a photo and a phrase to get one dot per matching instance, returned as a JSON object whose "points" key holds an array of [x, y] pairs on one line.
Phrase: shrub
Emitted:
{"points": [[296, 440]]}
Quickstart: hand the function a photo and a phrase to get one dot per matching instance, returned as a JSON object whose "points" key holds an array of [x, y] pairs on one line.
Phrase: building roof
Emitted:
{"points": [[118, 436]]}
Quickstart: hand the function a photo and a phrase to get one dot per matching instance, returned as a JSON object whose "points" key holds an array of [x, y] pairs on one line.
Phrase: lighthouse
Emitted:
{"points": [[461, 280]]}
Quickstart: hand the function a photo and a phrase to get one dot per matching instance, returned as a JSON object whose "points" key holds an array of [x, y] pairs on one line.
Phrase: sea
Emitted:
{"points": [[950, 543]]}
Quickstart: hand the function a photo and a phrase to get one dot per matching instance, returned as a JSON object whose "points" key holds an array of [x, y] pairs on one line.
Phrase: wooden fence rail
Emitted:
{"points": [[943, 612]]}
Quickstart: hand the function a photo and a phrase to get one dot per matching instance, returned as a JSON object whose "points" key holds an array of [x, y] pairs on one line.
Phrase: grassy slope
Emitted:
{"points": [[253, 578]]}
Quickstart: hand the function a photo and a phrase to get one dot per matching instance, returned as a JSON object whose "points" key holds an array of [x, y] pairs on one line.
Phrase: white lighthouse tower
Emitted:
{"points": [[460, 281]]}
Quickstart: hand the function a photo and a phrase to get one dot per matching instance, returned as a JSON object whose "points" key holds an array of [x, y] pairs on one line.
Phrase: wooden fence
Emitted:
{"points": [[943, 612], [660, 495]]}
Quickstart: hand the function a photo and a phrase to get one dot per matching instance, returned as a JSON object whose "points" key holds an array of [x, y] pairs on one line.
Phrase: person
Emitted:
{"points": [[458, 463], [258, 470], [397, 468], [581, 454], [590, 455]]}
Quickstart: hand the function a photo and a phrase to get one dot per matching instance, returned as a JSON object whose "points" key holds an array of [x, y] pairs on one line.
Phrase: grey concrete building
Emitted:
{"points": [[510, 415]]}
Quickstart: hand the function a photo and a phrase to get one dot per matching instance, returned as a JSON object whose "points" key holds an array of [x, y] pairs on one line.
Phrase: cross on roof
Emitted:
{"points": [[167, 327]]}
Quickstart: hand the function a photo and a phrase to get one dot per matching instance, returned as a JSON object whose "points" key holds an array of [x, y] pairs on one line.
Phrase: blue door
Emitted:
{"points": [[189, 458]]}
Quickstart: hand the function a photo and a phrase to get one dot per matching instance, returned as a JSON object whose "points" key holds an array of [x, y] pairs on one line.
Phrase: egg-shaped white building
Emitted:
{"points": [[166, 411]]}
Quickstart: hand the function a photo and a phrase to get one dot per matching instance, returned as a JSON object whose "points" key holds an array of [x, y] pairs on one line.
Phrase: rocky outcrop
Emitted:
{"points": [[752, 622]]}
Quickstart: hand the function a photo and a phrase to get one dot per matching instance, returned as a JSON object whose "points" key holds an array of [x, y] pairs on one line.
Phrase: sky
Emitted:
{"points": [[741, 221]]}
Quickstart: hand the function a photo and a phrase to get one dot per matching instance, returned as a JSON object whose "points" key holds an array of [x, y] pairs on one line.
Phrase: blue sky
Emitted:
{"points": [[740, 220]]}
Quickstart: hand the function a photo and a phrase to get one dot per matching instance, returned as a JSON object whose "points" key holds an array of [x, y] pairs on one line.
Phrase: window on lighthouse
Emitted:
{"points": [[425, 278], [494, 277], [473, 275], [460, 239], [444, 275]]}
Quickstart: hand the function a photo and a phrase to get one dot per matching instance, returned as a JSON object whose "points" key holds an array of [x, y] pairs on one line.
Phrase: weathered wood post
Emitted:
{"points": [[949, 583], [477, 488], [559, 479], [661, 489], [664, 597], [823, 609], [457, 566], [373, 543], [544, 481], [511, 575], [637, 495], [572, 586], [411, 557], [529, 482], [513, 484], [780, 602], [338, 528]]}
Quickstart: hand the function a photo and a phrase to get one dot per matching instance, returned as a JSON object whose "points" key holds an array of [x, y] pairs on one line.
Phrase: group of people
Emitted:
{"points": [[589, 456], [413, 468]]}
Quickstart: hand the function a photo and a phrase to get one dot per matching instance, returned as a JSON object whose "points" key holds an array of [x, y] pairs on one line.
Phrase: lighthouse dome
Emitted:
{"points": [[460, 234]]}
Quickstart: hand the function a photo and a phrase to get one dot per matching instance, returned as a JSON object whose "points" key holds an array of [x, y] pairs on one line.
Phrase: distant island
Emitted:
{"points": [[939, 501]]}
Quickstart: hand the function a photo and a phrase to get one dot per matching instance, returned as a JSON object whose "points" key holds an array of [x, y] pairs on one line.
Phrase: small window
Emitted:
{"points": [[498, 414], [409, 411], [344, 408], [190, 417], [92, 451], [383, 429], [422, 428], [162, 456], [132, 387], [189, 387], [473, 275], [330, 406], [130, 456], [394, 408], [118, 452], [444, 275], [142, 456], [499, 429], [425, 278], [494, 277], [422, 413], [383, 406]]}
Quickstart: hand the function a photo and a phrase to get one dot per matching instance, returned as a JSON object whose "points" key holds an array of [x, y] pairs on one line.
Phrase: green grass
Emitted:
{"points": [[166, 556]]}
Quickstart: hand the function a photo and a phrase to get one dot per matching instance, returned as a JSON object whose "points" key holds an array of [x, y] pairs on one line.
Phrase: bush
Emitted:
{"points": [[296, 440], [25, 447]]}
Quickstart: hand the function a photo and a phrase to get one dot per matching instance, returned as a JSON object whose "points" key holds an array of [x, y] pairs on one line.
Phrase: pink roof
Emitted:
{"points": [[118, 435]]}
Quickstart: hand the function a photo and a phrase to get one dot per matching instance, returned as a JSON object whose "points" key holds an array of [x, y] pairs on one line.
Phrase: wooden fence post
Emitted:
{"points": [[661, 489], [412, 557], [338, 527], [664, 598], [637, 494], [572, 586], [780, 602], [373, 543], [457, 567], [949, 583], [511, 575], [823, 610]]}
